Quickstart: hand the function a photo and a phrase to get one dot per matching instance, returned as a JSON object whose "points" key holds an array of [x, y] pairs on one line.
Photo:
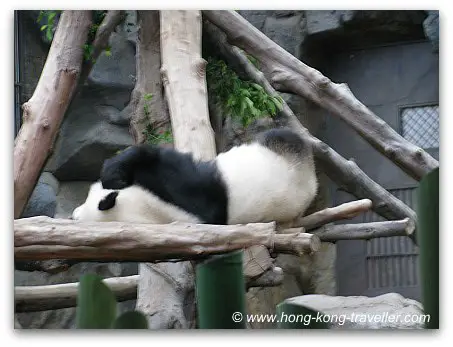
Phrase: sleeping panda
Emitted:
{"points": [[270, 179]]}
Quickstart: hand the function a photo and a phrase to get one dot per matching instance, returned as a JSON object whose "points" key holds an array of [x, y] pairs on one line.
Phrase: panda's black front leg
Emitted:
{"points": [[119, 171]]}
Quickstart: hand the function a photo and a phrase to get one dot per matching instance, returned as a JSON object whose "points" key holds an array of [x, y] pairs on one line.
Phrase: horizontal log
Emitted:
{"points": [[365, 231], [44, 238], [58, 296]]}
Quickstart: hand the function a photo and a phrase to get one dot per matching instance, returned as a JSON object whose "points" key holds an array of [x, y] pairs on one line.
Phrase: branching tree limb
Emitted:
{"points": [[43, 113], [287, 73], [344, 172]]}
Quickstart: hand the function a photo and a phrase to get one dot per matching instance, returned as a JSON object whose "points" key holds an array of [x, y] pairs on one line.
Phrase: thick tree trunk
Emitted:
{"points": [[44, 111], [183, 73], [344, 172], [149, 114], [287, 73], [166, 291]]}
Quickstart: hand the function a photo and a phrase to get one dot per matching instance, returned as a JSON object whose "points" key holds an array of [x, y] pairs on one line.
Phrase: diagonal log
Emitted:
{"points": [[43, 113], [344, 172], [289, 74]]}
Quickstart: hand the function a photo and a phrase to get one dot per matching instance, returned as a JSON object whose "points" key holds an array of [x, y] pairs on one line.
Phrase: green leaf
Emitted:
{"points": [[44, 27], [131, 320], [96, 304], [52, 15], [148, 96], [257, 86], [49, 34]]}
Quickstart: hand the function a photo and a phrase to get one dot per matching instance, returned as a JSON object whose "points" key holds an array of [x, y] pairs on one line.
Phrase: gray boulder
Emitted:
{"points": [[42, 201], [90, 133], [388, 311]]}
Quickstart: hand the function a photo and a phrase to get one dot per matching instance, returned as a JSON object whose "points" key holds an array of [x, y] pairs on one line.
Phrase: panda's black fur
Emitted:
{"points": [[270, 179], [174, 177]]}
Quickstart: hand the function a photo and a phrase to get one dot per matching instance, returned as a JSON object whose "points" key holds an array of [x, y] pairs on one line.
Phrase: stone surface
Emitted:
{"points": [[118, 69], [256, 17], [286, 31], [431, 27], [95, 126], [71, 195], [388, 311], [42, 201], [90, 133], [302, 275]]}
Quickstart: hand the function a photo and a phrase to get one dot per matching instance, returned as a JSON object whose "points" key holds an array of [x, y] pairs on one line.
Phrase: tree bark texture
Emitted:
{"points": [[47, 238], [147, 106], [43, 113]]}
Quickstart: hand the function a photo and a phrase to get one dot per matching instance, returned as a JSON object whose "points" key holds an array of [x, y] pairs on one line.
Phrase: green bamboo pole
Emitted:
{"points": [[428, 240], [220, 291], [293, 316]]}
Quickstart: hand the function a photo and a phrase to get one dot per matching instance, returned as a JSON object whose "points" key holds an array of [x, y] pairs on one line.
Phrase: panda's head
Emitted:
{"points": [[100, 205], [133, 204]]}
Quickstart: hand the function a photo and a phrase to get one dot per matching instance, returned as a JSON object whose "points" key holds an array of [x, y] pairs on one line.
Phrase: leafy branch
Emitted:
{"points": [[243, 100]]}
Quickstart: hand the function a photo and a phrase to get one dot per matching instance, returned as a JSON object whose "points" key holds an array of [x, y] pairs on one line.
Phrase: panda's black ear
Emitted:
{"points": [[108, 201]]}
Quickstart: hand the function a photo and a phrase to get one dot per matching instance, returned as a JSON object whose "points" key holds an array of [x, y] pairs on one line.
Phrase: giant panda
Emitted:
{"points": [[270, 179]]}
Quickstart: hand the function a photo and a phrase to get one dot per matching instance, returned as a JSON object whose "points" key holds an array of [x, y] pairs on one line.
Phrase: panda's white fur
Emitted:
{"points": [[261, 185], [133, 204], [264, 186]]}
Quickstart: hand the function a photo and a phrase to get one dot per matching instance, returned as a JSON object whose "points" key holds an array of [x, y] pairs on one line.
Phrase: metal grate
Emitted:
{"points": [[420, 125], [392, 261]]}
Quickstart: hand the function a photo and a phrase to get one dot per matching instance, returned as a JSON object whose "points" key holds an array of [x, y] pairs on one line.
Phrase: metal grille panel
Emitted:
{"points": [[420, 125], [392, 261]]}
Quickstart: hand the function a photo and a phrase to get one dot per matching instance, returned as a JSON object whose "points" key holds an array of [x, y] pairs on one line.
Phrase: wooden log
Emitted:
{"points": [[332, 214], [166, 290], [365, 231], [43, 113], [343, 172], [147, 107], [44, 238], [288, 74], [58, 296], [184, 78]]}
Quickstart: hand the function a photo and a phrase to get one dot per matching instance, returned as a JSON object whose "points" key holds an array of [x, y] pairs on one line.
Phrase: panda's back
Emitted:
{"points": [[264, 185]]}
